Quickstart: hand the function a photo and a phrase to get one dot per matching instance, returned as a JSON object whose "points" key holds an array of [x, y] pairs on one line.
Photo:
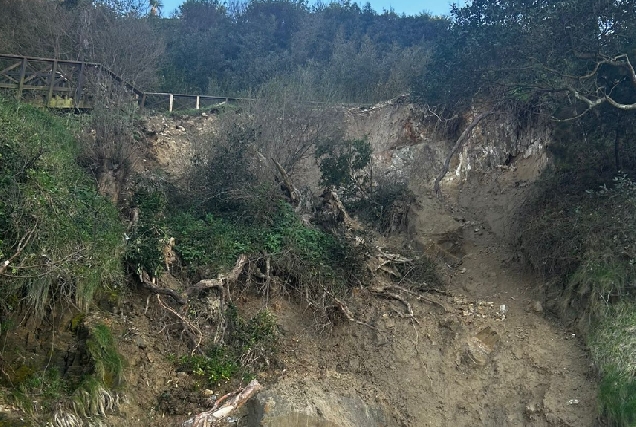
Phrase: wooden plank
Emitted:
{"points": [[11, 67], [29, 87], [36, 58]]}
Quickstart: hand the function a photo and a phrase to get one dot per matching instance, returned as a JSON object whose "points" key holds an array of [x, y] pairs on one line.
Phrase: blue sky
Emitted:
{"points": [[410, 7]]}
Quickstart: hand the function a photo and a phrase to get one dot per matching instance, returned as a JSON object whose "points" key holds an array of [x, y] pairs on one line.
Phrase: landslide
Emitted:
{"points": [[469, 344], [483, 351]]}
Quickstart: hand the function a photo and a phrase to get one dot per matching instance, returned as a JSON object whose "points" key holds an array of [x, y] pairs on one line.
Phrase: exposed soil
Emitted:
{"points": [[481, 352], [463, 360]]}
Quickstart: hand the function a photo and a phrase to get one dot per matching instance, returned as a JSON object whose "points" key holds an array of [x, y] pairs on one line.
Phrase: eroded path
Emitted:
{"points": [[464, 360]]}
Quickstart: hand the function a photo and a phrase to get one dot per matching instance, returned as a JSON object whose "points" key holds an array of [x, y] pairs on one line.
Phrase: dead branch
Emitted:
{"points": [[458, 144], [150, 285], [347, 313], [209, 418], [265, 277], [383, 290], [220, 282], [191, 328], [24, 241], [288, 185]]}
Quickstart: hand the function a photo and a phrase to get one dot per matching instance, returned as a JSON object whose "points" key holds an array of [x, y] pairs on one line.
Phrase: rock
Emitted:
{"points": [[140, 342], [477, 349], [313, 406], [537, 307], [475, 353], [531, 410]]}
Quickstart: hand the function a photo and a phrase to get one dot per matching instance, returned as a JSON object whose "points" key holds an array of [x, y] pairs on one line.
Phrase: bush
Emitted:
{"points": [[302, 256], [580, 234], [585, 242], [62, 238], [343, 166], [150, 233]]}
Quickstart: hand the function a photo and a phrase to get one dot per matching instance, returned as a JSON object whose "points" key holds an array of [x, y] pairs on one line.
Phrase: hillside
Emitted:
{"points": [[389, 220]]}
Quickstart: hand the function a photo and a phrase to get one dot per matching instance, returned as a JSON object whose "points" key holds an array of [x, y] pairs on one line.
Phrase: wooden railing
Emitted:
{"points": [[57, 83]]}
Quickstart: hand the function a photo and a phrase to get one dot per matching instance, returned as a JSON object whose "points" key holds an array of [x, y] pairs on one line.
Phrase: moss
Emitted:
{"points": [[21, 375], [76, 321]]}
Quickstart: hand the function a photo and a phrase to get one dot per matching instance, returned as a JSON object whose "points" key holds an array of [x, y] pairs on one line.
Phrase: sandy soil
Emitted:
{"points": [[484, 354]]}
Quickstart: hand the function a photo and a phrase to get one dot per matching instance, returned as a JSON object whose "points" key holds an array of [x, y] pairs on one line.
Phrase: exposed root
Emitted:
{"points": [[384, 290], [347, 313], [221, 281], [150, 285], [193, 330]]}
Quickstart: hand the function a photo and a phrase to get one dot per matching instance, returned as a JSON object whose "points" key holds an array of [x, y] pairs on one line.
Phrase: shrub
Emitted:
{"points": [[63, 239], [343, 166], [248, 345], [586, 243], [149, 235]]}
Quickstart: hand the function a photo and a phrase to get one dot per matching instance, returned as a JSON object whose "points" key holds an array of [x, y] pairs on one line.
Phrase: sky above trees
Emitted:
{"points": [[409, 7]]}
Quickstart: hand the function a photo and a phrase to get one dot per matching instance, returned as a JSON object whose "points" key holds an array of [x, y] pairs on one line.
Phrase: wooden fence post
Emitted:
{"points": [[49, 95], [80, 86], [22, 76]]}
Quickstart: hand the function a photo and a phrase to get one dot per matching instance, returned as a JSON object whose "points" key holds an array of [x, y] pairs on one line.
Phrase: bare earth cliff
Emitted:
{"points": [[481, 352]]}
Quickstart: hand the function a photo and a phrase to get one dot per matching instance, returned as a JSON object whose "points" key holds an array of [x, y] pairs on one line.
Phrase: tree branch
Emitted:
{"points": [[457, 146], [24, 241]]}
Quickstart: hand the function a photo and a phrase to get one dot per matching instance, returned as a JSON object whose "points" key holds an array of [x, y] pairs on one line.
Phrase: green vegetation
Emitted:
{"points": [[568, 61], [62, 243], [108, 364], [249, 346], [343, 165], [583, 242], [613, 346], [62, 239], [39, 391], [210, 242]]}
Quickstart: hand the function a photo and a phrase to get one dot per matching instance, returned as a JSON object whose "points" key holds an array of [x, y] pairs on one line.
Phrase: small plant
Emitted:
{"points": [[108, 364], [217, 365], [249, 345]]}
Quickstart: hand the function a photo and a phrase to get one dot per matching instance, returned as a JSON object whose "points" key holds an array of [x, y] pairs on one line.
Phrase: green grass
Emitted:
{"points": [[613, 347], [75, 234]]}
